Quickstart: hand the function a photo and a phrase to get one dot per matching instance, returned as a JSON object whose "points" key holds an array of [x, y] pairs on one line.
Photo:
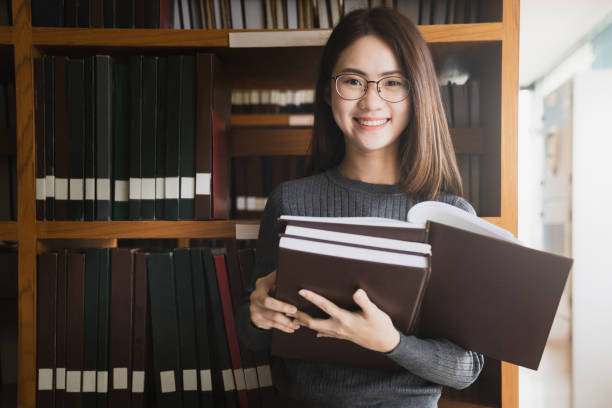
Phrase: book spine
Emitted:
{"points": [[124, 13], [76, 134], [164, 329], [39, 95], [149, 136], [90, 350], [90, 141], [103, 137], [121, 325], [84, 13], [164, 14], [139, 13], [74, 328], [121, 144], [140, 344], [109, 14], [104, 272], [45, 329], [152, 14], [160, 149], [173, 128], [187, 139], [203, 143], [135, 137], [70, 9], [61, 139], [97, 13]]}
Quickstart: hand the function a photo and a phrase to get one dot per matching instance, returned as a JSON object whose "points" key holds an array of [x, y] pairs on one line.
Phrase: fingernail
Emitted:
{"points": [[303, 292], [296, 326]]}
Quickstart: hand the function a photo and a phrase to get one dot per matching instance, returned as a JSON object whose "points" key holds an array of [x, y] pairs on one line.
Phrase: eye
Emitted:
{"points": [[394, 82], [352, 81]]}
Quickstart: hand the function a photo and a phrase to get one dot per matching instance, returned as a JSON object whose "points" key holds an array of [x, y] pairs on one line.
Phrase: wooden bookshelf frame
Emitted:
{"points": [[27, 231]]}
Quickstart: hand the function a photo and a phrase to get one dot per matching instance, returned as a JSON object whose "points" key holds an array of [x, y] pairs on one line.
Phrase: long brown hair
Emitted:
{"points": [[426, 155]]}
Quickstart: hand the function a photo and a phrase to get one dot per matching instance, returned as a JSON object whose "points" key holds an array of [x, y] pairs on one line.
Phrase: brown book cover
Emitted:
{"points": [[60, 330], [45, 329], [97, 13], [61, 139], [140, 345], [121, 325], [75, 314], [489, 295]]}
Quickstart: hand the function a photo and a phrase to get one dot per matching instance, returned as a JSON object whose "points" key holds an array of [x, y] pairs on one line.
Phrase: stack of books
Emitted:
{"points": [[444, 273]]}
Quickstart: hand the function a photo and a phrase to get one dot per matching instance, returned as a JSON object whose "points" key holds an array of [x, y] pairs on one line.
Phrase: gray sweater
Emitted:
{"points": [[428, 364]]}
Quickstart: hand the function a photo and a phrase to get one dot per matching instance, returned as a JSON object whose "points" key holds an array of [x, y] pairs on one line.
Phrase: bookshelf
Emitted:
{"points": [[488, 49]]}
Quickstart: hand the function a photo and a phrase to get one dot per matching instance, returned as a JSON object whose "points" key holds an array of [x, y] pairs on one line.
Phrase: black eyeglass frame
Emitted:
{"points": [[367, 87]]}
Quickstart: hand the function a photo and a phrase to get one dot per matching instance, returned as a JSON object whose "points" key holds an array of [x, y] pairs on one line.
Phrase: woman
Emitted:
{"points": [[381, 144]]}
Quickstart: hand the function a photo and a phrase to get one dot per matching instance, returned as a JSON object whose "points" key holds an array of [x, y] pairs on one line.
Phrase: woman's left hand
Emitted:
{"points": [[370, 328]]}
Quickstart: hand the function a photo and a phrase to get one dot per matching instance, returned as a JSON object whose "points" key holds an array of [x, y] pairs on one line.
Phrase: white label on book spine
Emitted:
{"points": [[76, 189], [265, 376], [172, 187], [60, 378], [167, 381], [45, 379], [190, 380], [260, 203], [103, 189], [138, 381], [148, 189], [135, 186], [301, 120], [241, 203], [89, 381], [50, 187], [90, 189], [73, 381], [102, 386], [250, 376], [61, 189], [41, 183], [187, 187], [203, 183], [251, 203], [120, 378], [206, 380], [160, 188], [122, 190], [240, 381], [228, 380]]}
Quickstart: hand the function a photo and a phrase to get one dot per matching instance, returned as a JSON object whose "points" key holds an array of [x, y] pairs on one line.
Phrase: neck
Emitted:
{"points": [[370, 168]]}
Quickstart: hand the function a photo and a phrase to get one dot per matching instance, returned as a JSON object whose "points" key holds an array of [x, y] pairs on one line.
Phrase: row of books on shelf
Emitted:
{"points": [[136, 138], [272, 101], [8, 162], [5, 12], [125, 327], [237, 14], [8, 316]]}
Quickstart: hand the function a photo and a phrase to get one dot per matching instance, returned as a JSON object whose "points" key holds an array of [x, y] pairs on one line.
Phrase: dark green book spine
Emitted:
{"points": [[121, 143], [173, 131], [136, 119], [104, 140], [149, 136], [90, 141], [164, 329], [48, 66], [160, 150], [76, 135], [187, 138], [90, 346]]}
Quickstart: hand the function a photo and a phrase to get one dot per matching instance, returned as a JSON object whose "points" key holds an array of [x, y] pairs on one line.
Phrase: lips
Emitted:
{"points": [[370, 123]]}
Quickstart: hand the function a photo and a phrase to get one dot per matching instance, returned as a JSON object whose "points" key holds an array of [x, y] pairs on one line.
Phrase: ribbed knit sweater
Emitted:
{"points": [[428, 364]]}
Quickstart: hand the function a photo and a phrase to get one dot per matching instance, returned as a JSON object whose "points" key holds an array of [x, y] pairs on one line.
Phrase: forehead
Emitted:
{"points": [[368, 54]]}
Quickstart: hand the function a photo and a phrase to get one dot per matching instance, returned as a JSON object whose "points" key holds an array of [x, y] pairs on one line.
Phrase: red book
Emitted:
{"points": [[232, 338], [164, 13]]}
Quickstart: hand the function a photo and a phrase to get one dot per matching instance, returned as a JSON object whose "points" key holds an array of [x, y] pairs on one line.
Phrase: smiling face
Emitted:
{"points": [[369, 124]]}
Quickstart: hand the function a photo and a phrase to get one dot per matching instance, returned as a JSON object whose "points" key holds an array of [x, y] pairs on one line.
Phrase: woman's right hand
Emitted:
{"points": [[268, 312]]}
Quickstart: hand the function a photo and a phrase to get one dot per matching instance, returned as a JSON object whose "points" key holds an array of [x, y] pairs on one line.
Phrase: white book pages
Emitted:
{"points": [[455, 217], [372, 221], [350, 252], [342, 237]]}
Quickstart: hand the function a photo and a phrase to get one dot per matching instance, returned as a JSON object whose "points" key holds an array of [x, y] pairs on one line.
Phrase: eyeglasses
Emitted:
{"points": [[351, 87]]}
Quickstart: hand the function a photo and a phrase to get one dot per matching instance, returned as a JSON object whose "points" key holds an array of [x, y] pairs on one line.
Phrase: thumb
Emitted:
{"points": [[361, 298]]}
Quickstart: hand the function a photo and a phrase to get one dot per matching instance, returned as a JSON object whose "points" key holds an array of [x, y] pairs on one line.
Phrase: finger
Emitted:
{"points": [[278, 306], [322, 303], [363, 301], [268, 320]]}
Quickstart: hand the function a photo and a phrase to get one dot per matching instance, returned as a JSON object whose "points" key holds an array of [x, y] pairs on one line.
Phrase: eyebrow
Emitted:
{"points": [[356, 71]]}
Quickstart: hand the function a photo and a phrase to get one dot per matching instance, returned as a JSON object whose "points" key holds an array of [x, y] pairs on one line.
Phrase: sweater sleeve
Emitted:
{"points": [[439, 360], [265, 263]]}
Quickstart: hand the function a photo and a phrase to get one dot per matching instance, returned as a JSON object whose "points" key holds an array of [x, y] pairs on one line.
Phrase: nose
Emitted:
{"points": [[371, 100]]}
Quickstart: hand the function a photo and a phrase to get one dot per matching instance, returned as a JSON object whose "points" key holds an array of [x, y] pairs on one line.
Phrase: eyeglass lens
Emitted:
{"points": [[391, 89]]}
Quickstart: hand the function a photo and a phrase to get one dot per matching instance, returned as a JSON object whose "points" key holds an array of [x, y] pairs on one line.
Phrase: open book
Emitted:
{"points": [[444, 273]]}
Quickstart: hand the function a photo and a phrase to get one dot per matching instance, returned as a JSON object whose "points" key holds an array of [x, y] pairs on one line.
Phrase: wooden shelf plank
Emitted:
{"points": [[138, 229], [125, 37], [273, 119], [454, 33], [6, 35], [8, 230], [289, 141]]}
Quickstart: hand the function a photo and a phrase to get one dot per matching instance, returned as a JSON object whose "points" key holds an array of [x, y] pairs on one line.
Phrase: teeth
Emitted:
{"points": [[372, 122]]}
